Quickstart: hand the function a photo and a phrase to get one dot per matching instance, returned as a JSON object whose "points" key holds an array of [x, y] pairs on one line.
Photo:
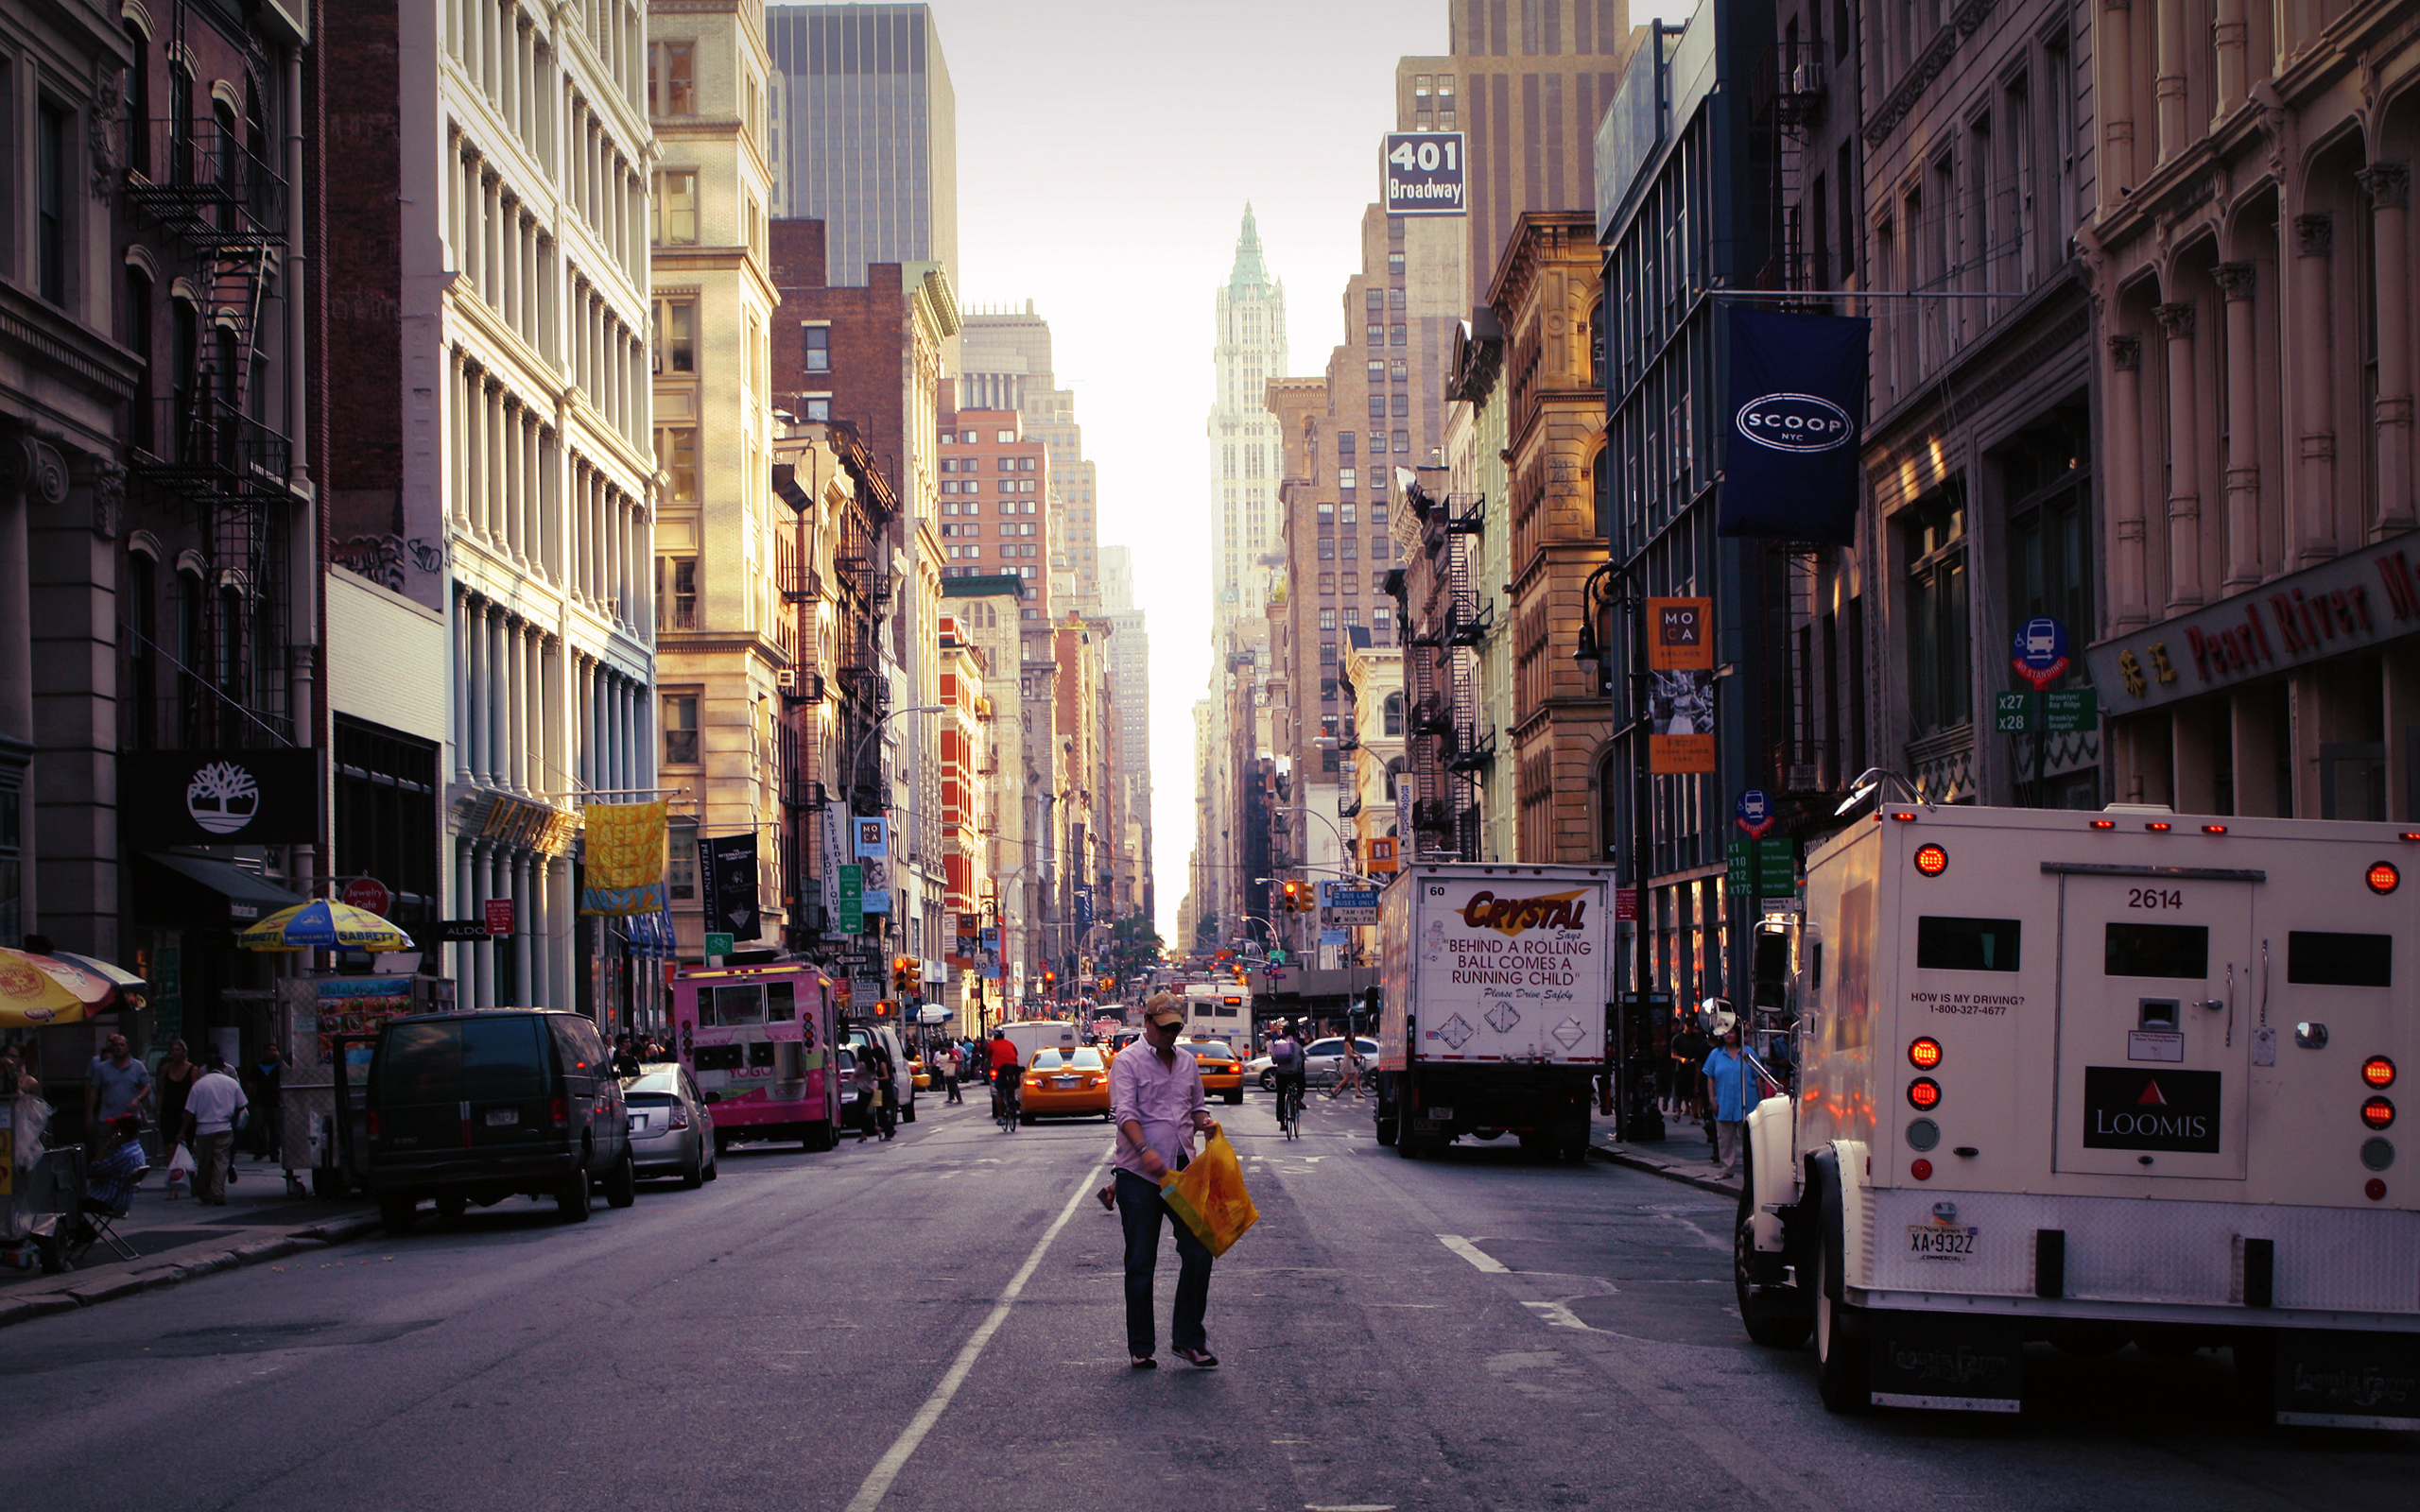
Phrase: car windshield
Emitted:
{"points": [[1045, 1061], [667, 1080], [650, 1099], [1210, 1050], [1087, 1059]]}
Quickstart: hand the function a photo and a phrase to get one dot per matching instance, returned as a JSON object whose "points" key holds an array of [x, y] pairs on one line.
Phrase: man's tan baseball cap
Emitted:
{"points": [[1163, 1007]]}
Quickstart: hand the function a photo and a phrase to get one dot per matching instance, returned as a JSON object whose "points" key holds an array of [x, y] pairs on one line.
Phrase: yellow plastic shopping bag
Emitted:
{"points": [[1209, 1198]]}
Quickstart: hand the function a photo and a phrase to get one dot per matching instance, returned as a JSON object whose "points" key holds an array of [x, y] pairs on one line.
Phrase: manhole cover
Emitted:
{"points": [[1456, 1031], [1502, 1017], [1568, 1033]]}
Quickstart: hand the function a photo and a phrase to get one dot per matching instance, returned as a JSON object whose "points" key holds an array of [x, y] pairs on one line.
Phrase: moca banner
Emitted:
{"points": [[270, 797], [1797, 390], [1680, 693]]}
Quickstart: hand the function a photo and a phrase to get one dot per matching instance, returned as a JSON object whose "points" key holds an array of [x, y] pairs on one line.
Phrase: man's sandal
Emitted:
{"points": [[1144, 1362], [1198, 1359]]}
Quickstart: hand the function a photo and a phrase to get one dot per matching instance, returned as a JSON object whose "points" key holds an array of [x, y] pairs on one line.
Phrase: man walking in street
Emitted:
{"points": [[210, 1128], [1155, 1099], [1726, 1096]]}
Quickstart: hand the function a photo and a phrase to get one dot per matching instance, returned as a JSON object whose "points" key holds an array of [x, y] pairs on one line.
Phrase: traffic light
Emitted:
{"points": [[903, 974], [1293, 897]]}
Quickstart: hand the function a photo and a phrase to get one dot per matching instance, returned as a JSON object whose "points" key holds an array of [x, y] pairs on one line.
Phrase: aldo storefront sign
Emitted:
{"points": [[219, 797], [1789, 462]]}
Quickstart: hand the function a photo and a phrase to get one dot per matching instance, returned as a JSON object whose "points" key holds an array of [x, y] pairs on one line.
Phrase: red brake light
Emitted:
{"points": [[1905, 816], [1924, 1054], [2105, 824], [1932, 860], [1921, 1169], [1924, 1094], [2383, 878], [2410, 835], [2373, 1189], [680, 1116], [2379, 1112], [559, 1111], [2158, 825], [2378, 1072], [2214, 829]]}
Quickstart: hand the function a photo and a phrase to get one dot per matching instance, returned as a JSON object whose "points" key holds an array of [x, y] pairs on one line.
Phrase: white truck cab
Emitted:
{"points": [[2094, 1077]]}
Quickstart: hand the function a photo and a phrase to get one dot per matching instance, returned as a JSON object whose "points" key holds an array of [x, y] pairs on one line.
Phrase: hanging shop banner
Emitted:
{"points": [[270, 797], [1680, 694], [1797, 390], [873, 836], [727, 883], [622, 871]]}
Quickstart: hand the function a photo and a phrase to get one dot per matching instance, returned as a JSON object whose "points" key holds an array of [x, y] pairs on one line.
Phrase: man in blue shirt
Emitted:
{"points": [[1726, 1096]]}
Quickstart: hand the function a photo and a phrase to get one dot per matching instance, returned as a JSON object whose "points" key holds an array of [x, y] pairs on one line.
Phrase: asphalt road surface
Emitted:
{"points": [[936, 1322]]}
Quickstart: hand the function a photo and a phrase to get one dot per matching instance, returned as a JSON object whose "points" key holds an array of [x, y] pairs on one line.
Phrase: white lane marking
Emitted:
{"points": [[885, 1470], [1556, 1315], [1471, 1252], [1348, 1506]]}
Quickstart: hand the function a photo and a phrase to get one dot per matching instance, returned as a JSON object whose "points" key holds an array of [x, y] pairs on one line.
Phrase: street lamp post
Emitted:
{"points": [[857, 752], [1599, 593]]}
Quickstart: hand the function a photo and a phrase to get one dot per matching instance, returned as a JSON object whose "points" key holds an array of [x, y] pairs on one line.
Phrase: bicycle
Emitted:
{"points": [[1004, 1100], [1290, 1106]]}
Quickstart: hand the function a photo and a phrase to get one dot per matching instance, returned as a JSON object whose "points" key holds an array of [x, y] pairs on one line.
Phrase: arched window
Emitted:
{"points": [[1394, 773], [1393, 714], [142, 646], [1597, 347]]}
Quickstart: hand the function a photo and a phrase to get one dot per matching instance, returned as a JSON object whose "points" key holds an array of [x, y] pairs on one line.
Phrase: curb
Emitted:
{"points": [[1637, 1162], [207, 1263]]}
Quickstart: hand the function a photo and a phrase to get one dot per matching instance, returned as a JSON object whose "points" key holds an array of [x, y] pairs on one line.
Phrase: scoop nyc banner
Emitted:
{"points": [[1797, 395]]}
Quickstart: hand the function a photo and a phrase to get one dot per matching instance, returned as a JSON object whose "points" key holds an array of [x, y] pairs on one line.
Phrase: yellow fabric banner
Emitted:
{"points": [[625, 858]]}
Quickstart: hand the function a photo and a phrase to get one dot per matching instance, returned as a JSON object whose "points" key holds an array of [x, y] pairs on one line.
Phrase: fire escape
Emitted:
{"points": [[1450, 752], [201, 447], [861, 572], [1787, 96]]}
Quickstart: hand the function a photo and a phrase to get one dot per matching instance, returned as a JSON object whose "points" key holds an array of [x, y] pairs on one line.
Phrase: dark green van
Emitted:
{"points": [[475, 1108]]}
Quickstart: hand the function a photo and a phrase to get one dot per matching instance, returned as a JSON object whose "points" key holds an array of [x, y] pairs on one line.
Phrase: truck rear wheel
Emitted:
{"points": [[1389, 1124], [1840, 1344]]}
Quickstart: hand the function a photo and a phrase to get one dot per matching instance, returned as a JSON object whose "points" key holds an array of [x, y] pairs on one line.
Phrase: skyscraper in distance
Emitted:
{"points": [[865, 133], [1244, 452]]}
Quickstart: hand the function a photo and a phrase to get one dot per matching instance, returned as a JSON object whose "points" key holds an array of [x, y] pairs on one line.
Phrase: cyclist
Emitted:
{"points": [[1006, 1074], [1285, 1069]]}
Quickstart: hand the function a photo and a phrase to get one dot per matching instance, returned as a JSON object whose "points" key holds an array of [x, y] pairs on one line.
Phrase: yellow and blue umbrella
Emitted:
{"points": [[324, 924], [38, 990]]}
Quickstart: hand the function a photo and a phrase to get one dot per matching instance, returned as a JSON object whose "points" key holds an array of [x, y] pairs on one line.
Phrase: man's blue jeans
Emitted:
{"points": [[1140, 1209]]}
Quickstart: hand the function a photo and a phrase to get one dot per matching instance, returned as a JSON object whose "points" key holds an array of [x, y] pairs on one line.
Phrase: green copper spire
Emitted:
{"points": [[1249, 268]]}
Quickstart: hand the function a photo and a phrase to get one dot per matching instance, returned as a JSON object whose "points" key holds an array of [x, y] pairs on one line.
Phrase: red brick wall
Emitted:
{"points": [[360, 268]]}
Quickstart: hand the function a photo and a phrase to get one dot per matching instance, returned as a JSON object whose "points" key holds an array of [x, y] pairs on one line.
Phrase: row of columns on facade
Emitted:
{"points": [[2309, 373], [538, 887], [507, 720], [2230, 40], [505, 500]]}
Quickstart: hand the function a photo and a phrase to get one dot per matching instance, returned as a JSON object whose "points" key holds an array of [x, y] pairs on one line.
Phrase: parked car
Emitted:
{"points": [[1324, 1059], [475, 1108], [903, 1073], [1066, 1084], [671, 1133]]}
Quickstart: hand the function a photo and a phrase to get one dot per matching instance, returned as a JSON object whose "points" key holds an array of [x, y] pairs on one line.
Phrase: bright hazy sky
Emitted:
{"points": [[1105, 152]]}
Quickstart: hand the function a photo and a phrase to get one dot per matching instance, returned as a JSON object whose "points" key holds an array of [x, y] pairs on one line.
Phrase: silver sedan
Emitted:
{"points": [[670, 1133]]}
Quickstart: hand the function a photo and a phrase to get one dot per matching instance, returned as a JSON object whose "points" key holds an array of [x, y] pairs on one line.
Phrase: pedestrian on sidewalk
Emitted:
{"points": [[15, 1080], [1726, 1096], [115, 1084], [178, 1072], [1155, 1099], [1688, 1063], [210, 1128]]}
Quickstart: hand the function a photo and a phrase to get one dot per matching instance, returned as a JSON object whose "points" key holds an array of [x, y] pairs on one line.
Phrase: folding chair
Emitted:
{"points": [[104, 1222]]}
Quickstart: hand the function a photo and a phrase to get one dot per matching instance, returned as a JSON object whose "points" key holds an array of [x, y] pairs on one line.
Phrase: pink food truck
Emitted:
{"points": [[759, 1040]]}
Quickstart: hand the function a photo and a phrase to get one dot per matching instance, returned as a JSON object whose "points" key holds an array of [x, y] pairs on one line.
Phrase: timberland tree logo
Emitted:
{"points": [[1510, 917], [2127, 1107], [222, 798]]}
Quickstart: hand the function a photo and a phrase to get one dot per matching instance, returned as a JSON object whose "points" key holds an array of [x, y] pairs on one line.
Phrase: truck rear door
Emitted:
{"points": [[2156, 1021]]}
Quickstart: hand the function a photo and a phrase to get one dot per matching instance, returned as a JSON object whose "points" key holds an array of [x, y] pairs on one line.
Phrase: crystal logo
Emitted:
{"points": [[1511, 916], [222, 798], [1795, 422]]}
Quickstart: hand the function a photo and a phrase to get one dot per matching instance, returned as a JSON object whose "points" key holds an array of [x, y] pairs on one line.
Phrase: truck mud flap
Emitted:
{"points": [[1945, 1361], [2337, 1379]]}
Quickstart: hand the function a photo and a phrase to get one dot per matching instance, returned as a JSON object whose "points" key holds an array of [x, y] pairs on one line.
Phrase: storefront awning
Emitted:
{"points": [[201, 892]]}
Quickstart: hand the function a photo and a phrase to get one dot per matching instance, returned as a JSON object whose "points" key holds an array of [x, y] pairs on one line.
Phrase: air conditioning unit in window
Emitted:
{"points": [[801, 687]]}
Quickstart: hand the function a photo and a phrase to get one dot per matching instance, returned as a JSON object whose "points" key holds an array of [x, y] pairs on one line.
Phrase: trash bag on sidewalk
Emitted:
{"points": [[1209, 1196]]}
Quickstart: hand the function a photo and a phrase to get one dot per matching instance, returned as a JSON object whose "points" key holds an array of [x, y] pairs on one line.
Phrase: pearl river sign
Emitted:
{"points": [[2364, 599]]}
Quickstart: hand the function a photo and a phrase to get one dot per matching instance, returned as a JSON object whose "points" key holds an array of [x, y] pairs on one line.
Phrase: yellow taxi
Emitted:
{"points": [[924, 1074], [1066, 1084], [1222, 1071]]}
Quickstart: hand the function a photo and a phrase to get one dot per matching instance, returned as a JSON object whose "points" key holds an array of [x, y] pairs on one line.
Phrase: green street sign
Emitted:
{"points": [[1776, 868], [2012, 712], [849, 900], [718, 945], [1277, 955], [2071, 710], [1739, 866]]}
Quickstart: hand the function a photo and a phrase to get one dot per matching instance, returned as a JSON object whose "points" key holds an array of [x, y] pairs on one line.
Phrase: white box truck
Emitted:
{"points": [[2093, 1078], [1492, 1014]]}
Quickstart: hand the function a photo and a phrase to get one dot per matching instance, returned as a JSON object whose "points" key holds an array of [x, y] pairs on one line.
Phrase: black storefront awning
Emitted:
{"points": [[203, 892]]}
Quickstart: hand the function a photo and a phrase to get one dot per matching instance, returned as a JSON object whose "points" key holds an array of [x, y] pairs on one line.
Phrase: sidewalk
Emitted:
{"points": [[1682, 1156], [180, 1240]]}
